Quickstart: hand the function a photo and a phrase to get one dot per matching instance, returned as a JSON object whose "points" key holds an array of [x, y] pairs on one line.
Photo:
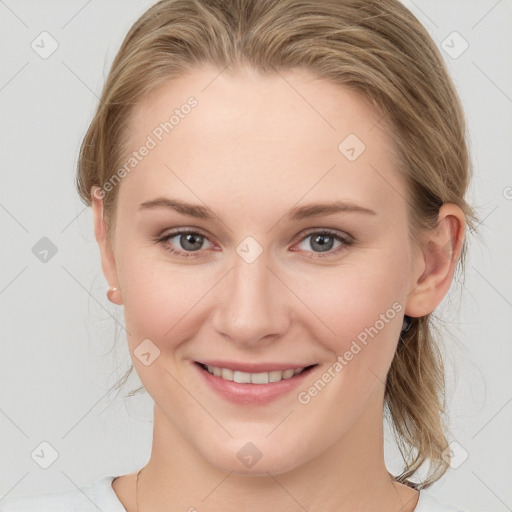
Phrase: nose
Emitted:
{"points": [[252, 308]]}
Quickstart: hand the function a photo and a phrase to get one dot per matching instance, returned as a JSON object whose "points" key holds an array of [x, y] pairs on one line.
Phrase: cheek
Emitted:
{"points": [[361, 309], [364, 308], [158, 297]]}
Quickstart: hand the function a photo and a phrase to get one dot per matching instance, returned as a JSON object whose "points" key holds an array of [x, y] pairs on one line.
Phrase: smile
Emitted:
{"points": [[252, 378], [252, 387]]}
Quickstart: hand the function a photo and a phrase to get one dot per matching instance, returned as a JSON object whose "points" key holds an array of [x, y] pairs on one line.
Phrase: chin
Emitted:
{"points": [[257, 458]]}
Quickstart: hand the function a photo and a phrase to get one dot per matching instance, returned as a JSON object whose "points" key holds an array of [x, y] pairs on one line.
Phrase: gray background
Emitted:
{"points": [[58, 351]]}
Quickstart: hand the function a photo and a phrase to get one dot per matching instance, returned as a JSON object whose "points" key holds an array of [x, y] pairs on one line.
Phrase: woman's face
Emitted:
{"points": [[295, 253]]}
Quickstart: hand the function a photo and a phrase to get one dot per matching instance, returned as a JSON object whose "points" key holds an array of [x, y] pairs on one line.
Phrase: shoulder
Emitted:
{"points": [[89, 498], [427, 503]]}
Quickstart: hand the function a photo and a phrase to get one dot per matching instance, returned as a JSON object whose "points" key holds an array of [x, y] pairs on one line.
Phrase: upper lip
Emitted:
{"points": [[253, 367]]}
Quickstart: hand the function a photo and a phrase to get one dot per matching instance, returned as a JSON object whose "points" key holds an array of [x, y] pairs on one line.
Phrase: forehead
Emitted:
{"points": [[243, 133]]}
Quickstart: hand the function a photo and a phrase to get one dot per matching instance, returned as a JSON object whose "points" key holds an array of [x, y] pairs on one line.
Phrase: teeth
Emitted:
{"points": [[275, 376], [259, 378], [253, 378], [242, 377], [288, 374], [226, 374]]}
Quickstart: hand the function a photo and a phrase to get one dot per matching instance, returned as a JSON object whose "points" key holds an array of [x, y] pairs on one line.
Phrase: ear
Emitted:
{"points": [[441, 247], [108, 262]]}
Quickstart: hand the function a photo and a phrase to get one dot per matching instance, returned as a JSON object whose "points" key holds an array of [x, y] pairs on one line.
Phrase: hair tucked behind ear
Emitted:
{"points": [[376, 48]]}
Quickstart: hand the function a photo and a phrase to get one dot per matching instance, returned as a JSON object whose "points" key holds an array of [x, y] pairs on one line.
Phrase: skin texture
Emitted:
{"points": [[251, 150]]}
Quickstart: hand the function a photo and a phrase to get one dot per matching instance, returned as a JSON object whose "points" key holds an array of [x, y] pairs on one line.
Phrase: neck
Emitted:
{"points": [[348, 476]]}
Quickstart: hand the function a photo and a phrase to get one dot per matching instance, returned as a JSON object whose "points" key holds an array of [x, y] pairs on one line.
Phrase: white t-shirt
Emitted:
{"points": [[100, 495]]}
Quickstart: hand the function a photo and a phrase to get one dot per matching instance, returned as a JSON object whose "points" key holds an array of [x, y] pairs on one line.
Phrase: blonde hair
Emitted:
{"points": [[374, 47]]}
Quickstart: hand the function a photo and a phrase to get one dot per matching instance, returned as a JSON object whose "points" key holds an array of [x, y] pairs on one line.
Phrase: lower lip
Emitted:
{"points": [[252, 394]]}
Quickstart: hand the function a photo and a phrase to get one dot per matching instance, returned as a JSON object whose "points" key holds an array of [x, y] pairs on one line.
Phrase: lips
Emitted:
{"points": [[269, 382]]}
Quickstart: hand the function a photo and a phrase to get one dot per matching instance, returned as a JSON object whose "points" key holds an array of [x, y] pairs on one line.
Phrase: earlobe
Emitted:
{"points": [[108, 262], [442, 246]]}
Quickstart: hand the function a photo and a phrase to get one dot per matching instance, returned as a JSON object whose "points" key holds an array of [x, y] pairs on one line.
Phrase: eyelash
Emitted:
{"points": [[345, 241]]}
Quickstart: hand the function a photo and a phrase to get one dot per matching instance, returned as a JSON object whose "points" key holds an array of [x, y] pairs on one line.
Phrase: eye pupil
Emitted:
{"points": [[324, 242], [191, 241]]}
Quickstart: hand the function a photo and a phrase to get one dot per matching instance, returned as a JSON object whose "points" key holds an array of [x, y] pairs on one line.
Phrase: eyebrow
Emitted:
{"points": [[297, 213]]}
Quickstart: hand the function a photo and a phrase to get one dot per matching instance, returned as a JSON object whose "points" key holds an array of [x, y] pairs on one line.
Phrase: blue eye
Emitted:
{"points": [[189, 242], [323, 243]]}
